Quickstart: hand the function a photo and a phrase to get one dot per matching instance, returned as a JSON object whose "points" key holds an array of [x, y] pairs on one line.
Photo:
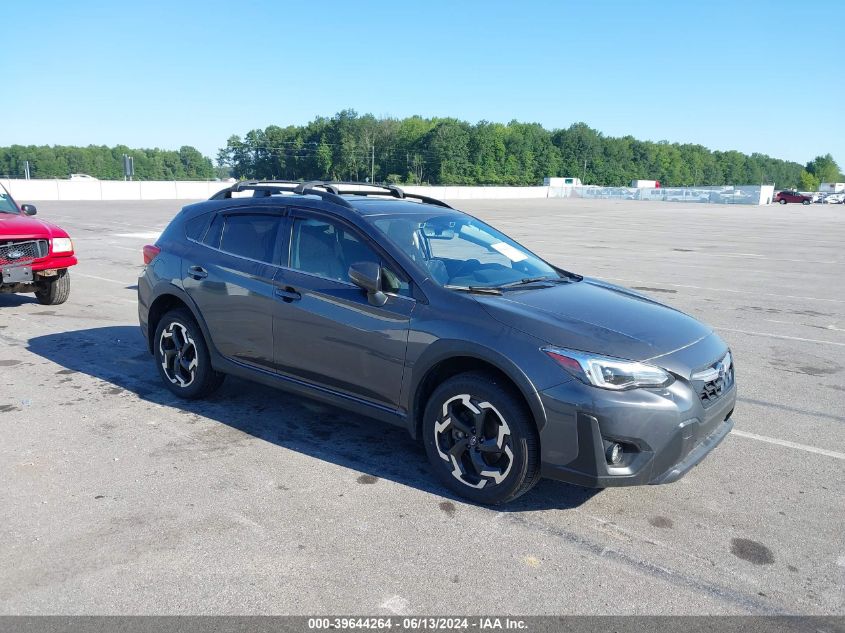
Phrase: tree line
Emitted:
{"points": [[59, 161], [438, 151]]}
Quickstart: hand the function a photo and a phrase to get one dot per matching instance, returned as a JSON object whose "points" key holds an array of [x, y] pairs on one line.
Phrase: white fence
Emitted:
{"points": [[35, 190], [746, 194], [24, 190]]}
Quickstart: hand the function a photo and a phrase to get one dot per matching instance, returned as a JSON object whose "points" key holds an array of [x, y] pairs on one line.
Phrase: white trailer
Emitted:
{"points": [[832, 187], [562, 182], [645, 184]]}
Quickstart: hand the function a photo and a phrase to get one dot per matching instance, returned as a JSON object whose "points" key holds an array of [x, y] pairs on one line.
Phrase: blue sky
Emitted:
{"points": [[764, 76]]}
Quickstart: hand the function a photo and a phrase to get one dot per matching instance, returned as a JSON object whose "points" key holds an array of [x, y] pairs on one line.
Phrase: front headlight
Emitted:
{"points": [[609, 373], [62, 245]]}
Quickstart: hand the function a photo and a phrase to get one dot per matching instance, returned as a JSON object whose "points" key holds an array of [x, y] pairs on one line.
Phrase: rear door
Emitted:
{"points": [[228, 272], [325, 330]]}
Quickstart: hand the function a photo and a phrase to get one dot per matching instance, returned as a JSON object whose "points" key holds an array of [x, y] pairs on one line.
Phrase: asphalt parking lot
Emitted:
{"points": [[120, 499]]}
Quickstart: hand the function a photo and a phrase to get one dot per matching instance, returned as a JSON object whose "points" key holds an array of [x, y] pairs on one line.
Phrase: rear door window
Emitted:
{"points": [[250, 235]]}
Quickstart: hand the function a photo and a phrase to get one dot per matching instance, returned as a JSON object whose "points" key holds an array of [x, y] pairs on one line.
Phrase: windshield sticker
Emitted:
{"points": [[513, 254]]}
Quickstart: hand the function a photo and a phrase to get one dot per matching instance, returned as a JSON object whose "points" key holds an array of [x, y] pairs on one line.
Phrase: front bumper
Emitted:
{"points": [[665, 433], [54, 262]]}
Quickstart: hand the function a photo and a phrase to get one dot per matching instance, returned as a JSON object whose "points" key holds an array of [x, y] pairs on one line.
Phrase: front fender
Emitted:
{"points": [[444, 349]]}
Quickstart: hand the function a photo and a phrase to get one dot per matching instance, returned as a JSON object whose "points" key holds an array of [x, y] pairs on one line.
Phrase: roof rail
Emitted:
{"points": [[330, 190], [376, 190], [273, 186], [268, 186]]}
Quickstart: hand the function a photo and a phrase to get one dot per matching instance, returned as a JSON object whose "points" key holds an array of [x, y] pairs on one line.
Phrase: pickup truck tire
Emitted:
{"points": [[52, 292]]}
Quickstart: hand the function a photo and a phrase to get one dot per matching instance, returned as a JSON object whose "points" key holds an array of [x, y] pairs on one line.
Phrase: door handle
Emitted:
{"points": [[288, 294], [197, 272]]}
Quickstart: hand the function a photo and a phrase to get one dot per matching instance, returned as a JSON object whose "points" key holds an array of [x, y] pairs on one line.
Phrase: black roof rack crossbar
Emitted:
{"points": [[336, 187], [311, 184]]}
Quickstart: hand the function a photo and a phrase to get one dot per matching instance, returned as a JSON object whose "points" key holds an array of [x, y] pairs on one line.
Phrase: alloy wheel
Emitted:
{"points": [[475, 440], [178, 355]]}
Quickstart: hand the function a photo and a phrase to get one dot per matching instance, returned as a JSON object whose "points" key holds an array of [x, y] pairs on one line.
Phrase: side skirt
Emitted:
{"points": [[360, 406]]}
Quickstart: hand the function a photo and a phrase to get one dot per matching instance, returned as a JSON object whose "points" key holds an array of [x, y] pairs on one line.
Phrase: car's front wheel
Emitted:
{"points": [[480, 438], [53, 291], [805, 202], [182, 356]]}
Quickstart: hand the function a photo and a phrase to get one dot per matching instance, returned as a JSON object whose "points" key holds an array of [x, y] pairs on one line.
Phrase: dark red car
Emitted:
{"points": [[792, 196], [34, 255]]}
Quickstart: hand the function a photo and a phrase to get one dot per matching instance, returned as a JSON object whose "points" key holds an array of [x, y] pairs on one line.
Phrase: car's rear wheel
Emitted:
{"points": [[182, 356], [53, 291], [782, 201], [481, 439]]}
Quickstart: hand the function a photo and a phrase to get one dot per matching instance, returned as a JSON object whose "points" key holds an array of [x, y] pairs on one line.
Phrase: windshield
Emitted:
{"points": [[6, 204], [458, 250]]}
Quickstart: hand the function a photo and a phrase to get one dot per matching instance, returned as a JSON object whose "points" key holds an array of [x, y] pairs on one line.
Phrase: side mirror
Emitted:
{"points": [[29, 209], [367, 276]]}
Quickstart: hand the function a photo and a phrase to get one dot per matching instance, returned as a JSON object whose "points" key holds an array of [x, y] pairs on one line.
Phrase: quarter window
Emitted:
{"points": [[212, 236], [195, 227]]}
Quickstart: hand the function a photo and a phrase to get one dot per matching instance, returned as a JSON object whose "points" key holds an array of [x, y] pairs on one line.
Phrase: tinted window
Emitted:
{"points": [[195, 227], [6, 204], [328, 249], [212, 236], [250, 235]]}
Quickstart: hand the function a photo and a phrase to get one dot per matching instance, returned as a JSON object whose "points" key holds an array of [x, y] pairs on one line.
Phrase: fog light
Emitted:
{"points": [[614, 453]]}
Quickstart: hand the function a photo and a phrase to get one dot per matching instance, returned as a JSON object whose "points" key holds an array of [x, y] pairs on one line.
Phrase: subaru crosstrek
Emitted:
{"points": [[401, 308], [34, 255]]}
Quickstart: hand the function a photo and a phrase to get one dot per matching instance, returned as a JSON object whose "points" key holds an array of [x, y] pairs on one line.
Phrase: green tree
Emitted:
{"points": [[825, 169], [808, 181], [324, 159]]}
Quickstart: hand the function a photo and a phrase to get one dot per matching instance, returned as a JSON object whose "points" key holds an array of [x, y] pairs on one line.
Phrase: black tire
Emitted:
{"points": [[782, 201], [182, 357], [52, 292], [470, 399], [805, 202]]}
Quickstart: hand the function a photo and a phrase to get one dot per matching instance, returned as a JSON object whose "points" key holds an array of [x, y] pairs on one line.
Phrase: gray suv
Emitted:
{"points": [[401, 308]]}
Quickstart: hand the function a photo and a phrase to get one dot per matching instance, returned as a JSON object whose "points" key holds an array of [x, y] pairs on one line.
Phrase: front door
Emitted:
{"points": [[325, 330]]}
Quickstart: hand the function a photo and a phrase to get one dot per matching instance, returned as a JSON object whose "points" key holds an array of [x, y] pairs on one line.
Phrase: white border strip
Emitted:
{"points": [[800, 447], [781, 336]]}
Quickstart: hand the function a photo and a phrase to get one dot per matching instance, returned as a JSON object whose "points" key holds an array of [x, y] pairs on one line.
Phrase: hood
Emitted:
{"points": [[594, 316], [13, 226]]}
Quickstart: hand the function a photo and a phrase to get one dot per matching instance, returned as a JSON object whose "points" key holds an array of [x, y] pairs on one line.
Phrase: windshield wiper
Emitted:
{"points": [[534, 280], [484, 290]]}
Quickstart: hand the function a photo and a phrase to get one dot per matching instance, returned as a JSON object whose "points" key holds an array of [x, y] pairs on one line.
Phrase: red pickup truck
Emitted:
{"points": [[34, 255]]}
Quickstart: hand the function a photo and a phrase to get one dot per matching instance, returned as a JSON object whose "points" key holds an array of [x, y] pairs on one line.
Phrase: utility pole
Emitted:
{"points": [[584, 174], [373, 165], [26, 169]]}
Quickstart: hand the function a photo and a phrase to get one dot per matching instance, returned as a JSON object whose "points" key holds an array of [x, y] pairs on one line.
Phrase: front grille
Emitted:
{"points": [[22, 251], [712, 382], [713, 390]]}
